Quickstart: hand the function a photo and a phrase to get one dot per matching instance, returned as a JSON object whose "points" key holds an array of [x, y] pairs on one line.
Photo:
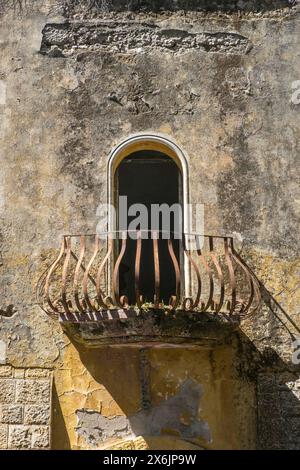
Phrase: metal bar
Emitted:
{"points": [[121, 302], [181, 234], [90, 304], [156, 270], [236, 257], [76, 274], [205, 307], [138, 297], [174, 300], [100, 294], [189, 303], [231, 277], [49, 276], [219, 273], [64, 300], [256, 286]]}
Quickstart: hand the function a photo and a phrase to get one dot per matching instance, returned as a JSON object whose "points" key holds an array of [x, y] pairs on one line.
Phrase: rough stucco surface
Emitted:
{"points": [[66, 100]]}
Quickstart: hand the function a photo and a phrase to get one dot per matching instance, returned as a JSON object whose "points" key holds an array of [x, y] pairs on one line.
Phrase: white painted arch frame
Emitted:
{"points": [[158, 142], [164, 144]]}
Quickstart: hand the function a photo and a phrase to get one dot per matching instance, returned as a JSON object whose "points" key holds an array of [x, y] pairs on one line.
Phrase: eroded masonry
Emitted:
{"points": [[121, 342]]}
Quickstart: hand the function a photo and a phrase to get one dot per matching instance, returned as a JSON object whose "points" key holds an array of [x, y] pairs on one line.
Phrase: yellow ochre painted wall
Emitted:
{"points": [[108, 382]]}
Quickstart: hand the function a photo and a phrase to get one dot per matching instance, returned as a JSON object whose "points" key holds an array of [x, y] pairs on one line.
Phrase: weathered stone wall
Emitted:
{"points": [[76, 78]]}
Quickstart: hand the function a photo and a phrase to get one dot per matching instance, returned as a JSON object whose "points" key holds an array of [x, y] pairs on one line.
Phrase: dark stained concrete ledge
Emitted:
{"points": [[154, 326]]}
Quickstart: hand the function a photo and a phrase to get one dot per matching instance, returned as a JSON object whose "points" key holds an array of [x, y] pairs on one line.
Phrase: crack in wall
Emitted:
{"points": [[60, 39]]}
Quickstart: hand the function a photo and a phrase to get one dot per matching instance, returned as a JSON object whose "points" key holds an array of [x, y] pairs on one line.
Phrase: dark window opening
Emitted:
{"points": [[149, 177]]}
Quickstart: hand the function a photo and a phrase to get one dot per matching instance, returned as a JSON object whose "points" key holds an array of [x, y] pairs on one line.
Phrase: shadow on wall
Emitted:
{"points": [[278, 409], [158, 393], [60, 439]]}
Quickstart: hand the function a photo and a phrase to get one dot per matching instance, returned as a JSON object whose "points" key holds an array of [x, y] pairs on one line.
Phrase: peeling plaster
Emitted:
{"points": [[123, 37], [178, 413]]}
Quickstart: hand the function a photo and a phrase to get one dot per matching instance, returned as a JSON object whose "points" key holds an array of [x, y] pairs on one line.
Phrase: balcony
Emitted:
{"points": [[139, 287]]}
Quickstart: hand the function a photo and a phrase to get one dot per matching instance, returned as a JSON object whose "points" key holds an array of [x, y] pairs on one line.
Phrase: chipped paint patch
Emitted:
{"points": [[177, 415]]}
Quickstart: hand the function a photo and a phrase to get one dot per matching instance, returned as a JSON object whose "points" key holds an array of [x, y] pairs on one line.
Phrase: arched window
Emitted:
{"points": [[150, 170]]}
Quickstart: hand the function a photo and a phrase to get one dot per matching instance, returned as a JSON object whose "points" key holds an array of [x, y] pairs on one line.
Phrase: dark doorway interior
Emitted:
{"points": [[148, 177]]}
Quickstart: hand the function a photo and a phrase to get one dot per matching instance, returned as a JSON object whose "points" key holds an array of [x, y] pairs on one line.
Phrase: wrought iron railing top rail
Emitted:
{"points": [[208, 275]]}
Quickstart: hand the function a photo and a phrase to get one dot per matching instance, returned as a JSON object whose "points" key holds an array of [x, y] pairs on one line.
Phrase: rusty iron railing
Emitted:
{"points": [[85, 277]]}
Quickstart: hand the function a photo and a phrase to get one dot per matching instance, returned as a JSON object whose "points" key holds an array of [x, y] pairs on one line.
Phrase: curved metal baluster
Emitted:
{"points": [[40, 293], [209, 273], [231, 276], [123, 301], [174, 300], [65, 275], [156, 270], [86, 276], [256, 294], [49, 275], [138, 297], [236, 257], [193, 304], [214, 270], [219, 273], [100, 294], [76, 273]]}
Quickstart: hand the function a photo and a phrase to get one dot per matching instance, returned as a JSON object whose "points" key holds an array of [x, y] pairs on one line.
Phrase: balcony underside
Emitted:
{"points": [[152, 327]]}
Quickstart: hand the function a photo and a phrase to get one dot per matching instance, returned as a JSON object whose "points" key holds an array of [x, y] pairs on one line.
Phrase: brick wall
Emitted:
{"points": [[25, 408]]}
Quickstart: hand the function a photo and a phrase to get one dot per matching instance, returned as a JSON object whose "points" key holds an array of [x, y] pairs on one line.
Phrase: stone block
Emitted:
{"points": [[3, 436], [41, 437], [20, 437], [19, 373], [38, 373], [11, 414], [33, 391], [5, 371], [7, 390], [37, 414]]}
